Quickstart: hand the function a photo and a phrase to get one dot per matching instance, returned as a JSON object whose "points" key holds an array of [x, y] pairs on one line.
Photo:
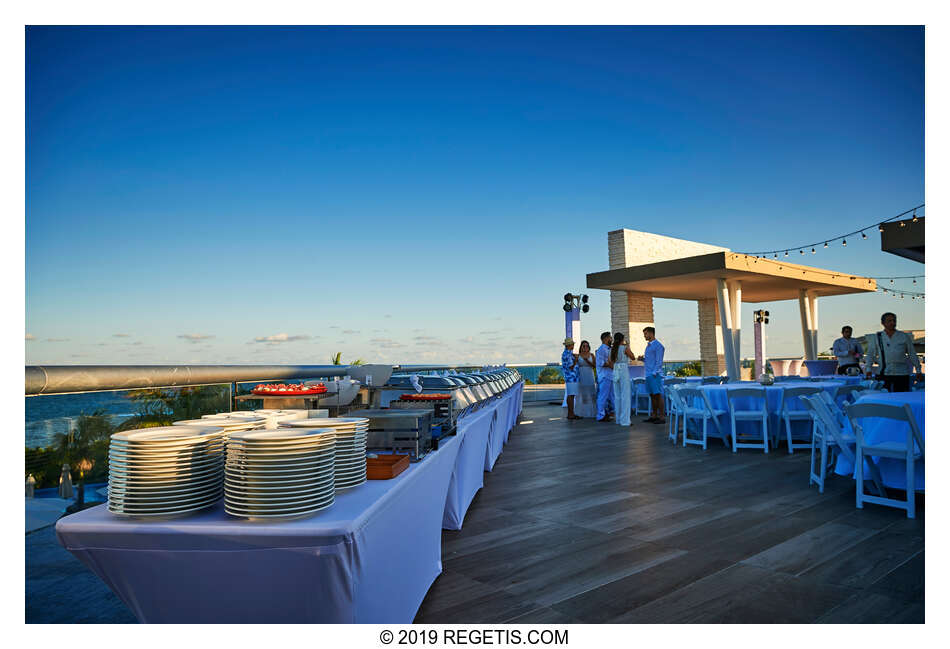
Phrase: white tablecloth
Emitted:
{"points": [[468, 476], [370, 558], [483, 434], [893, 472]]}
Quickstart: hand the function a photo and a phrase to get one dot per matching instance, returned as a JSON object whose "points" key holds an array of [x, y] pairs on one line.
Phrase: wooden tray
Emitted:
{"points": [[386, 467]]}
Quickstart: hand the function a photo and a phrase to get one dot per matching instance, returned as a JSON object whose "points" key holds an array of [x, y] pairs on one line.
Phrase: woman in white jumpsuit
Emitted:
{"points": [[620, 356]]}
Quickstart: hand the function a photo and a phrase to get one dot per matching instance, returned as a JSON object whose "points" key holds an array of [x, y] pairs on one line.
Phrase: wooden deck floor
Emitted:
{"points": [[588, 522]]}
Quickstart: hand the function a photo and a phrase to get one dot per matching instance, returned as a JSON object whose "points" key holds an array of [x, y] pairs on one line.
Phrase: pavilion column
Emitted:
{"points": [[814, 323], [735, 304], [723, 295], [630, 312], [711, 351], [808, 309]]}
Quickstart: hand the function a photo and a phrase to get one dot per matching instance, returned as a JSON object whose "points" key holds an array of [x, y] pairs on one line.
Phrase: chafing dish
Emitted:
{"points": [[399, 429]]}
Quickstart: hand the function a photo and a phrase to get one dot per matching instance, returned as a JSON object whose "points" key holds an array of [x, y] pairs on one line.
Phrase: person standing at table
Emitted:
{"points": [[653, 371], [894, 351], [586, 403], [605, 378], [847, 351], [569, 368], [620, 356]]}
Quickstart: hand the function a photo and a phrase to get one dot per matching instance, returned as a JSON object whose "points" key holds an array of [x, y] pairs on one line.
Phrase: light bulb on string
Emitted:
{"points": [[844, 242], [826, 244], [892, 281], [915, 281], [801, 252], [812, 251], [880, 228], [864, 236], [786, 253], [914, 220]]}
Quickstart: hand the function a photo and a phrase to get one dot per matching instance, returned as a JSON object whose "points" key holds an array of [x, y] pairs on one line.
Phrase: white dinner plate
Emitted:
{"points": [[279, 436], [156, 494], [169, 513], [251, 497], [283, 449], [168, 434], [303, 485], [288, 508], [159, 454], [137, 507], [286, 473], [304, 513]]}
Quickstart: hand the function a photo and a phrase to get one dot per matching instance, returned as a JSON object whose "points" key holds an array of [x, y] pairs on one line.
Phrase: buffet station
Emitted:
{"points": [[284, 515]]}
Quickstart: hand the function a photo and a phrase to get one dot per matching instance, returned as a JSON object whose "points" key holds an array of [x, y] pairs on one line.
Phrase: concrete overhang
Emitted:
{"points": [[763, 280], [904, 238]]}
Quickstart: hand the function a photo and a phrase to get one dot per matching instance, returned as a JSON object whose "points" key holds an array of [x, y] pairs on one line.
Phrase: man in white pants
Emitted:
{"points": [[605, 378]]}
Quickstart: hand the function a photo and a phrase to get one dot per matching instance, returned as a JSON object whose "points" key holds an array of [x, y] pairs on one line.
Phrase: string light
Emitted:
{"points": [[844, 237], [812, 251], [915, 219], [801, 252]]}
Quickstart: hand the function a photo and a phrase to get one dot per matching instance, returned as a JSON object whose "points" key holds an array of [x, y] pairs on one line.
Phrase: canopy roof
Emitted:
{"points": [[763, 280]]}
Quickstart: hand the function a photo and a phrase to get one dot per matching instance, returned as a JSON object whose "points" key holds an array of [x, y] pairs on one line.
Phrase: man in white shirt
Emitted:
{"points": [[846, 350], [605, 378], [894, 351]]}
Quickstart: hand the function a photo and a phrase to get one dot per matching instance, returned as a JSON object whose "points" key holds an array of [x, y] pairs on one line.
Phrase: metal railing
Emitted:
{"points": [[62, 379]]}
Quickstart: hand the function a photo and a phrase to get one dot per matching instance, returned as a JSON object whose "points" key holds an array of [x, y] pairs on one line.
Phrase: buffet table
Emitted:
{"points": [[876, 430], [369, 558], [483, 434]]}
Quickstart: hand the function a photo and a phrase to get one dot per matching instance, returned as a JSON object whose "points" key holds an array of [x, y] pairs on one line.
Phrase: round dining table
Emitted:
{"points": [[877, 430]]}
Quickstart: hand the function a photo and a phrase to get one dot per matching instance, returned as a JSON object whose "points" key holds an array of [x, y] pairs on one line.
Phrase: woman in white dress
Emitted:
{"points": [[620, 358], [586, 402]]}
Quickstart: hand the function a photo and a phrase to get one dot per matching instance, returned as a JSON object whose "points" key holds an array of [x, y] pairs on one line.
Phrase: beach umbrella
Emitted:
{"points": [[65, 483]]}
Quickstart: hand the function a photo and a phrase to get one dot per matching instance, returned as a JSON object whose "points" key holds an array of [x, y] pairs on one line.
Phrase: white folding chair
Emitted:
{"points": [[910, 450], [673, 411], [670, 383], [758, 415], [830, 438], [790, 414], [640, 395], [704, 412]]}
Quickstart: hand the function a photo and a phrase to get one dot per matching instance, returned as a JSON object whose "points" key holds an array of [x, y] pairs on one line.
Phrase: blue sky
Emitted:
{"points": [[232, 195]]}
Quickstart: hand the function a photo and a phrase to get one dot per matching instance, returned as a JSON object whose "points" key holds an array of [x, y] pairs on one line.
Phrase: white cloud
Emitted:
{"points": [[386, 343], [121, 335], [194, 338], [30, 337], [277, 339]]}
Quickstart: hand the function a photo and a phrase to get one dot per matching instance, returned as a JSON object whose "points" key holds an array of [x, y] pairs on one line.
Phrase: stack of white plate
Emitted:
{"points": [[165, 471], [350, 446], [279, 473]]}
